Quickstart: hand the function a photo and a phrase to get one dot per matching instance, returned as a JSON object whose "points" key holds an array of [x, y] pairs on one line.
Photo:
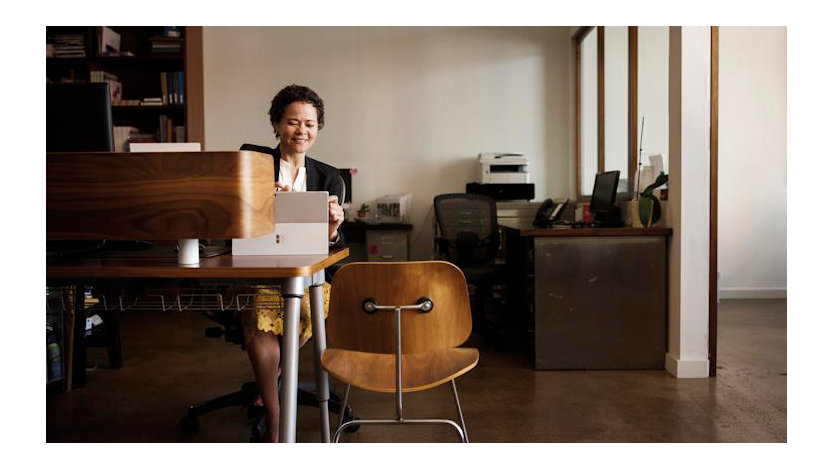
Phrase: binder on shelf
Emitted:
{"points": [[174, 84], [163, 83], [162, 128], [181, 87], [169, 78]]}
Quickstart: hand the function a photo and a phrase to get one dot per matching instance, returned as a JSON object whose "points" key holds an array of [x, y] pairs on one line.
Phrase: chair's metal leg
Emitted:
{"points": [[460, 412], [363, 422], [341, 427], [344, 405], [398, 399]]}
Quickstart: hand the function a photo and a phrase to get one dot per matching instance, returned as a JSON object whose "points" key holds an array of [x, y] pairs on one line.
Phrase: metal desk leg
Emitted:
{"points": [[319, 343], [293, 291], [79, 351]]}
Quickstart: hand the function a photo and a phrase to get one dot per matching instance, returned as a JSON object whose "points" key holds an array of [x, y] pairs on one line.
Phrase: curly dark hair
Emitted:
{"points": [[290, 94]]}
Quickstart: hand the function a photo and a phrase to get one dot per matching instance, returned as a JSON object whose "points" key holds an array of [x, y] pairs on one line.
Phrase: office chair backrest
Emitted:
{"points": [[469, 226], [447, 325], [342, 195]]}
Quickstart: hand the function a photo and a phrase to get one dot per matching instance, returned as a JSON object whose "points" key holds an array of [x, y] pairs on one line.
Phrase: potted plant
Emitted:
{"points": [[649, 204], [362, 212]]}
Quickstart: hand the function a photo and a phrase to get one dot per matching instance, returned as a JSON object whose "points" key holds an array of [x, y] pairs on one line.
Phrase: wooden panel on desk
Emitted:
{"points": [[224, 266], [159, 196]]}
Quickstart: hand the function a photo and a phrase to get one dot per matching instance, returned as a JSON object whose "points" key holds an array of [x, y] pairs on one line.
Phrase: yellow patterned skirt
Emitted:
{"points": [[268, 314]]}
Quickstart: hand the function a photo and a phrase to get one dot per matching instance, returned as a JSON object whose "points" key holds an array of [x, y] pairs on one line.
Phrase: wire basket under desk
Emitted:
{"points": [[216, 297]]}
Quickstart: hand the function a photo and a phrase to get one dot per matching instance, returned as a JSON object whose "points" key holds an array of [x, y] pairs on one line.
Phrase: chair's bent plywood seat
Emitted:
{"points": [[421, 371], [362, 346]]}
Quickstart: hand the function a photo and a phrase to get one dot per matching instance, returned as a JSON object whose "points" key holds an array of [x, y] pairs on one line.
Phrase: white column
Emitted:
{"points": [[688, 206]]}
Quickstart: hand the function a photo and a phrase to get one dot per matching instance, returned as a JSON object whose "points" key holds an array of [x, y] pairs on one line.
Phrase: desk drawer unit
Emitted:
{"points": [[387, 245], [600, 302]]}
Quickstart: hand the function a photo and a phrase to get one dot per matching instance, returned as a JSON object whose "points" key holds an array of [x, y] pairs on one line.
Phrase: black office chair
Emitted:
{"points": [[468, 238], [232, 329]]}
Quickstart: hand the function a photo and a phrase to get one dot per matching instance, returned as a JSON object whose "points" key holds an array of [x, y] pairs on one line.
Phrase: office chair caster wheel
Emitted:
{"points": [[189, 424], [349, 416], [258, 430]]}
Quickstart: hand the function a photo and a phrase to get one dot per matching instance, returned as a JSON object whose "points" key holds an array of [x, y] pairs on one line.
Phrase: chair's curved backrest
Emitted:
{"points": [[447, 325], [469, 225], [342, 193]]}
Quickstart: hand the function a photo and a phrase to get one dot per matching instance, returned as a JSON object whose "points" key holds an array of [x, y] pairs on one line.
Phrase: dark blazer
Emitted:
{"points": [[320, 176]]}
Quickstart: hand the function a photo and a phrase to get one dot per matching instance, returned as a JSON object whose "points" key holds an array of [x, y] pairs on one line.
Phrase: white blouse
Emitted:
{"points": [[285, 174]]}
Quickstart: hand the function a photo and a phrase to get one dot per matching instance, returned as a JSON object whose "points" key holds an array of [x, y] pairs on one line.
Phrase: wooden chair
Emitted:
{"points": [[395, 328]]}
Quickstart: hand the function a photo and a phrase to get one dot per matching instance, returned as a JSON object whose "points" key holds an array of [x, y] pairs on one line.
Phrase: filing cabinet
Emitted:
{"points": [[387, 245], [378, 242]]}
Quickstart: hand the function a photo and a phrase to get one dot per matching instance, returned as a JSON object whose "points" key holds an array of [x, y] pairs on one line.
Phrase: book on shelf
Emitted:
{"points": [[118, 54], [109, 41], [165, 147], [166, 129], [163, 84], [124, 102], [169, 87], [138, 138], [121, 136], [68, 45], [162, 128], [153, 101], [181, 87], [172, 85], [173, 88], [168, 132], [165, 45], [100, 76], [179, 133]]}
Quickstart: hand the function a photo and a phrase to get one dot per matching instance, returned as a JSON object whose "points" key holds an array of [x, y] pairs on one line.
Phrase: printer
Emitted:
{"points": [[504, 177], [503, 168]]}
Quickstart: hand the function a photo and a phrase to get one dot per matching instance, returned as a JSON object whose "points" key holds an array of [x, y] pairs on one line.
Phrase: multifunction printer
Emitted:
{"points": [[503, 168]]}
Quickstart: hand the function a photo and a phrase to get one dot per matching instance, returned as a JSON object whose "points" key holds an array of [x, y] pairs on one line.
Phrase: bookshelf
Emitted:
{"points": [[141, 68]]}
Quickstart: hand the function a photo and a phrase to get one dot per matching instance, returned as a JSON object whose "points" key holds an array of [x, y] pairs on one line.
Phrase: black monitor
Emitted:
{"points": [[606, 212], [78, 118]]}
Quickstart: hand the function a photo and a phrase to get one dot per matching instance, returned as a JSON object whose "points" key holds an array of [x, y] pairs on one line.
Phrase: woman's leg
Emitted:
{"points": [[265, 355]]}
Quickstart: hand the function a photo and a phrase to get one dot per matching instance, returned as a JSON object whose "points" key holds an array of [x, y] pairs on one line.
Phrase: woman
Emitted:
{"points": [[296, 115]]}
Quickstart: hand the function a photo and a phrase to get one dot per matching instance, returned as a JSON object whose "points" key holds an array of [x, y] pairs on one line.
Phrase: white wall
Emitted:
{"points": [[653, 90], [616, 100], [409, 107], [688, 206], [752, 162], [589, 119]]}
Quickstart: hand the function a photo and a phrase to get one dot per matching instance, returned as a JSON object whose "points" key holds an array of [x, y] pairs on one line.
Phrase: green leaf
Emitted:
{"points": [[662, 178], [649, 206]]}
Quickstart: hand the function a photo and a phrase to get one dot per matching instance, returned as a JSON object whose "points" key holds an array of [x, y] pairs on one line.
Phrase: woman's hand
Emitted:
{"points": [[337, 216], [281, 188]]}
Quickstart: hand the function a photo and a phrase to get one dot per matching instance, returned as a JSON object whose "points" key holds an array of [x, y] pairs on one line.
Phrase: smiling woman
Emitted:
{"points": [[296, 115]]}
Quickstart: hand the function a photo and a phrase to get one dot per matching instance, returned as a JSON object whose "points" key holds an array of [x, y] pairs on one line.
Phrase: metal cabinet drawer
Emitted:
{"points": [[387, 245]]}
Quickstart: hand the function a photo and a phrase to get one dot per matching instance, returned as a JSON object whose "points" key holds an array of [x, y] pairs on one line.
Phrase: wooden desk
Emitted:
{"points": [[291, 270], [597, 296]]}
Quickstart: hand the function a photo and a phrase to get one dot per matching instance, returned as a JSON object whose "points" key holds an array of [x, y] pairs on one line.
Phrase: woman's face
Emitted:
{"points": [[298, 127]]}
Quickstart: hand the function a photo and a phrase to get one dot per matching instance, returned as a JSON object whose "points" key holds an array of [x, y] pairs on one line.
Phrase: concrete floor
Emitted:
{"points": [[169, 363]]}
